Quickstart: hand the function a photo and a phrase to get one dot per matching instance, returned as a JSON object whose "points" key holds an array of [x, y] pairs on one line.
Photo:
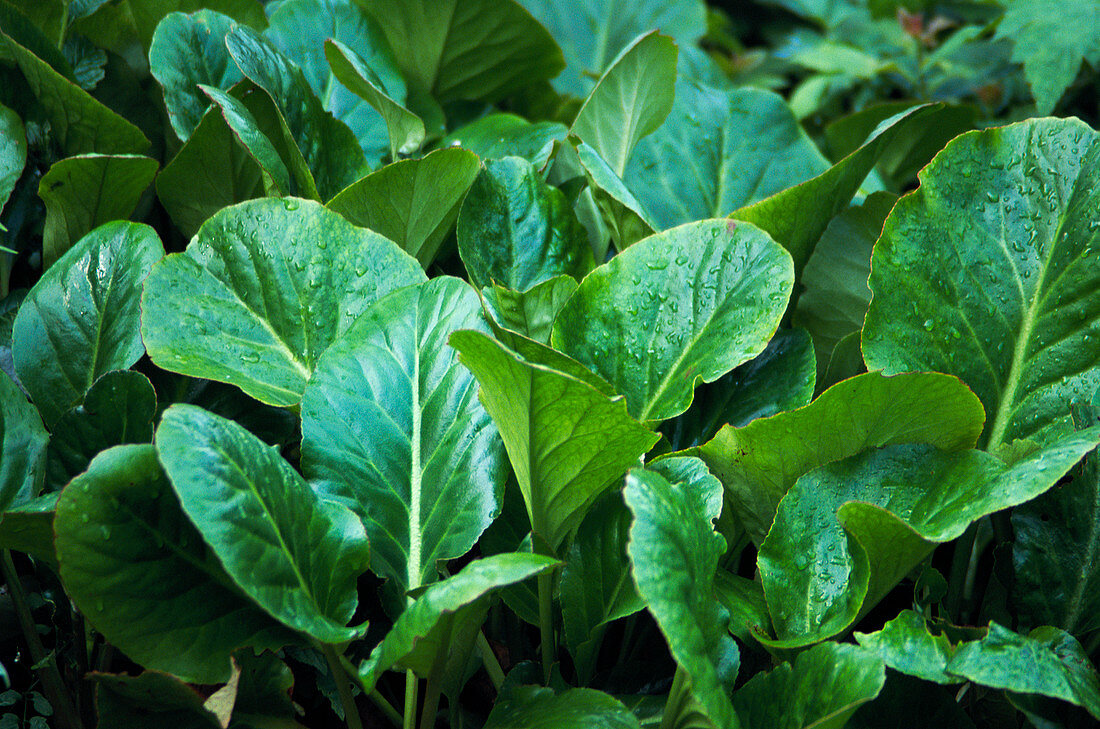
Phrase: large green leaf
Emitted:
{"points": [[1051, 38], [297, 555], [328, 146], [188, 50], [147, 14], [150, 700], [13, 152], [391, 427], [820, 690], [421, 638], [567, 441], [1056, 551], [593, 32], [719, 150], [302, 28], [78, 122], [117, 409], [1010, 306], [174, 609], [210, 172], [760, 462], [81, 319], [262, 290], [674, 551], [498, 135], [630, 101], [907, 646], [518, 231], [86, 191], [797, 216], [685, 305], [478, 49], [413, 202], [849, 531], [22, 447], [534, 707], [1048, 661]]}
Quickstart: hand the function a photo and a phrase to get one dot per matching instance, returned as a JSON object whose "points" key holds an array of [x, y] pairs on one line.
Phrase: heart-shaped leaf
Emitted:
{"points": [[262, 290]]}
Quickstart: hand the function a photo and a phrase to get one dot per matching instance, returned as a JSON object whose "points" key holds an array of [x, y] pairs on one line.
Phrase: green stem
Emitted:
{"points": [[52, 684], [410, 700], [343, 687], [960, 563], [385, 706], [676, 697], [431, 701], [489, 658], [546, 623]]}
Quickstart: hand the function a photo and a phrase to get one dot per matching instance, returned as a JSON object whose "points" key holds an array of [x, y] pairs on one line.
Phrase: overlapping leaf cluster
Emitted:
{"points": [[515, 363]]}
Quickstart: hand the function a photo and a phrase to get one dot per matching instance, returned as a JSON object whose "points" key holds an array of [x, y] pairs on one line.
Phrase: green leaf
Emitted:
{"points": [[822, 689], [596, 583], [631, 100], [303, 29], [518, 231], [405, 130], [1048, 661], [850, 530], [760, 462], [148, 13], [1051, 38], [907, 646], [78, 122], [674, 551], [719, 150], [781, 378], [1009, 306], [567, 441], [592, 33], [81, 319], [681, 306], [212, 171], [535, 707], [327, 145], [797, 216], [480, 50], [297, 555], [498, 135], [528, 313], [13, 152], [834, 302], [22, 447], [392, 428], [186, 51], [420, 638], [625, 217], [1056, 550], [745, 601], [413, 202], [117, 409], [86, 191], [150, 700], [256, 310], [174, 609], [29, 528]]}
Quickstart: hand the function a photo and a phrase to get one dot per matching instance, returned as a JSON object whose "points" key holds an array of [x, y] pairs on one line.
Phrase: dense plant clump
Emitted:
{"points": [[549, 364]]}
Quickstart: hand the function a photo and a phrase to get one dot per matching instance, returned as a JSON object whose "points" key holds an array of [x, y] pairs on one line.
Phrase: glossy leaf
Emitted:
{"points": [[412, 202], [518, 231], [87, 191], [480, 49], [626, 218], [674, 551], [567, 441], [269, 284], [906, 645], [296, 555], [13, 152], [593, 32], [499, 135], [1008, 307], [392, 428], [744, 598], [528, 313], [698, 301], [534, 707], [760, 462], [821, 689], [117, 409], [1048, 661], [719, 150], [178, 42], [81, 319], [420, 638], [148, 13], [22, 447], [175, 609], [631, 100], [849, 531]]}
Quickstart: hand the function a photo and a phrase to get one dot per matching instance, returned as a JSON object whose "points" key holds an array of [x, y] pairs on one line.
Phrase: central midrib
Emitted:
{"points": [[415, 535]]}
